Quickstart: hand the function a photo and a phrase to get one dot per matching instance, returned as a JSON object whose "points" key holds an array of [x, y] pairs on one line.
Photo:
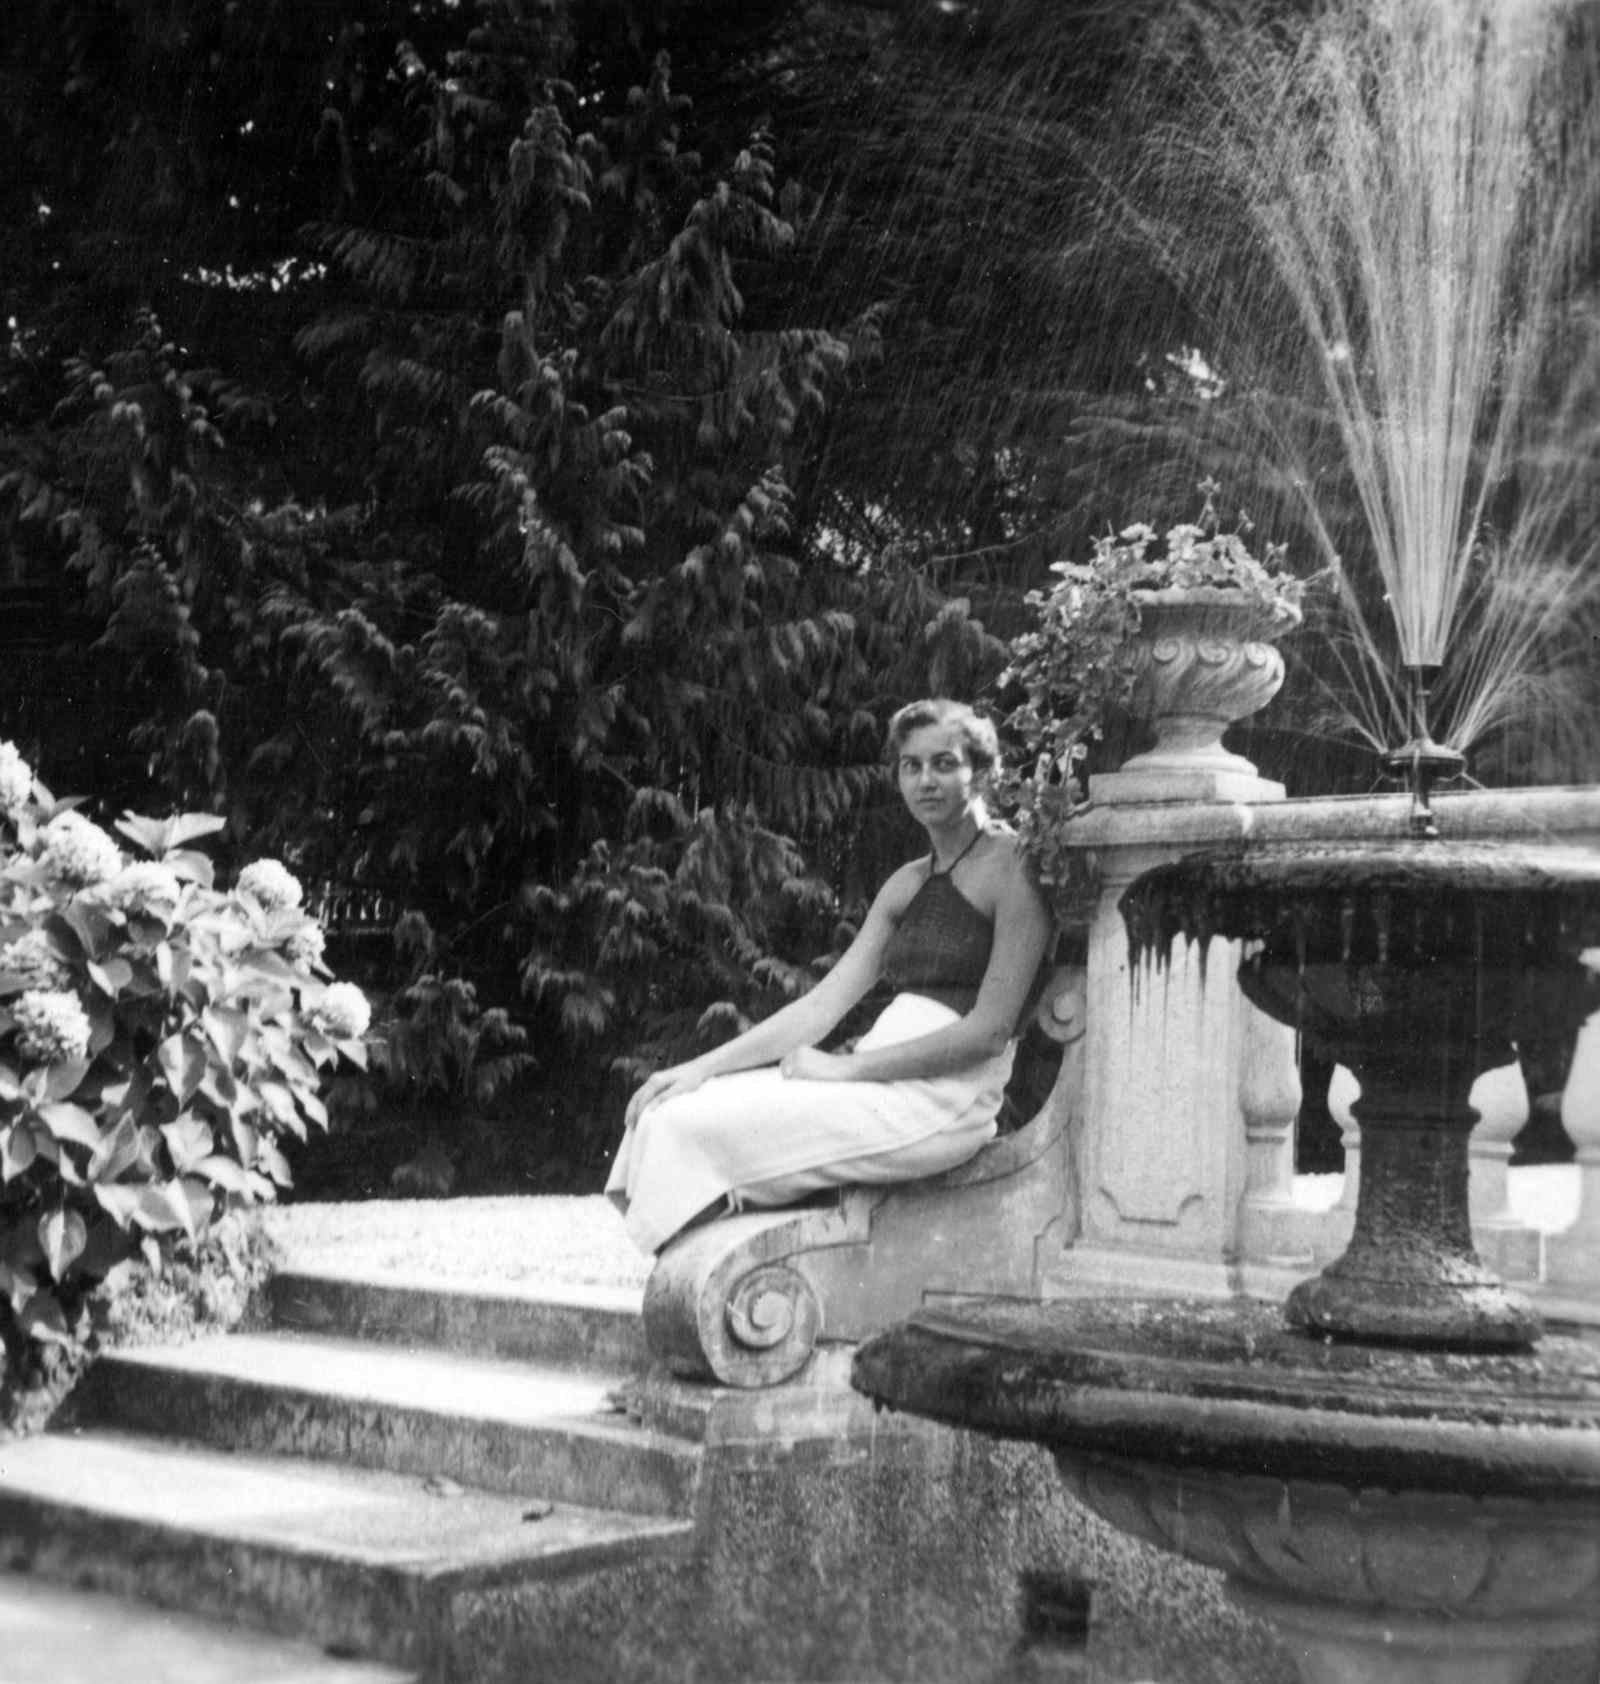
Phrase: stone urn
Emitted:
{"points": [[1205, 657]]}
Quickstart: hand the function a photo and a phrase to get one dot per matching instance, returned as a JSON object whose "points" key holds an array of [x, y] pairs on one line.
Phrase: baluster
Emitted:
{"points": [[1273, 1229], [1572, 1258], [1502, 1239]]}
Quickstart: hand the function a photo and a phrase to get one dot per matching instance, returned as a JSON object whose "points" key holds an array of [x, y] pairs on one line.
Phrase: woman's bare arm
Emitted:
{"points": [[803, 1022]]}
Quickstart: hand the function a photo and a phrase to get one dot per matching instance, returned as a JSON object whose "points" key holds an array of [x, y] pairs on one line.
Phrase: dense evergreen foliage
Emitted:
{"points": [[407, 422], [508, 457]]}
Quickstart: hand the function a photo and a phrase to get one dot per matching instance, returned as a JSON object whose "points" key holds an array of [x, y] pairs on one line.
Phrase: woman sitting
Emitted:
{"points": [[961, 935]]}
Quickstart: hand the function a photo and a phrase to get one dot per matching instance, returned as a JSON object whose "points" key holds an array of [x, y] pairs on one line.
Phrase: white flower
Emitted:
{"points": [[343, 1012], [140, 884], [272, 884], [1138, 533], [79, 851], [16, 779], [52, 1026], [32, 956], [305, 944]]}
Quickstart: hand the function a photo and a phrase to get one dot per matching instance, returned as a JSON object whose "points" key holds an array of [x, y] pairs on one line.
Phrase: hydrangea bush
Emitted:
{"points": [[160, 1041]]}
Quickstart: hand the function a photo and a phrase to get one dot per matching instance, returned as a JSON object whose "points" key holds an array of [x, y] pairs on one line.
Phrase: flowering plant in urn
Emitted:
{"points": [[160, 1039], [1177, 630]]}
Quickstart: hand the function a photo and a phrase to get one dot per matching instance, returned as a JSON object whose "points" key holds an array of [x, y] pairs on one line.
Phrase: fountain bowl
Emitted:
{"points": [[1418, 964], [1397, 1515]]}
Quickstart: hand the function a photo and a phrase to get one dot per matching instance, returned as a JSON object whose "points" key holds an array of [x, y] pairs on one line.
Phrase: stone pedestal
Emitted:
{"points": [[1502, 1239], [1173, 1049]]}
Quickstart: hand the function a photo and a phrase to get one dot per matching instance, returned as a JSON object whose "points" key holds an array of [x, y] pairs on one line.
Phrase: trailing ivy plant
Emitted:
{"points": [[1075, 668], [161, 1041]]}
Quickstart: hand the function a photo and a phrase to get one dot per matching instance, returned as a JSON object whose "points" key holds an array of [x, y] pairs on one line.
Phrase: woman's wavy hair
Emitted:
{"points": [[978, 735]]}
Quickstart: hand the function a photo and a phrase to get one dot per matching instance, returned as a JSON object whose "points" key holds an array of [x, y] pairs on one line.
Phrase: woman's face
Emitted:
{"points": [[937, 779]]}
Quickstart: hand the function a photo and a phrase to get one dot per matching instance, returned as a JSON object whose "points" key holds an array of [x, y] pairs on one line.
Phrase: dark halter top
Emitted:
{"points": [[940, 948]]}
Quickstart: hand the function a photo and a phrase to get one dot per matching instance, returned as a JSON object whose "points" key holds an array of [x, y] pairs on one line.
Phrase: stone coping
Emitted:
{"points": [[1543, 812]]}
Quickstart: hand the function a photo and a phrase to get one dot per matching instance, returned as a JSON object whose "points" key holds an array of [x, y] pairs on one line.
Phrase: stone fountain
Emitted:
{"points": [[1397, 1469], [1400, 1467]]}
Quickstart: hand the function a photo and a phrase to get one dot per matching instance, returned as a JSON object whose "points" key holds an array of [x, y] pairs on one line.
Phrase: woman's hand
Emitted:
{"points": [[811, 1064], [665, 1084]]}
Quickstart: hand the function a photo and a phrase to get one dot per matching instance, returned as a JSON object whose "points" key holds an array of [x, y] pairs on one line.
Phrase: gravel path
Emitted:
{"points": [[505, 1242], [528, 1243]]}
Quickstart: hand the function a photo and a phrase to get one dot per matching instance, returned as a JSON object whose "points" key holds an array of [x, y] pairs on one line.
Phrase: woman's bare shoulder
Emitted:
{"points": [[901, 885], [1002, 853], [1007, 859]]}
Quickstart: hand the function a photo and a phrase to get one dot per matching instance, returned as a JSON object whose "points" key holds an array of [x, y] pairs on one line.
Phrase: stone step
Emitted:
{"points": [[590, 1328], [358, 1561], [511, 1427], [56, 1634]]}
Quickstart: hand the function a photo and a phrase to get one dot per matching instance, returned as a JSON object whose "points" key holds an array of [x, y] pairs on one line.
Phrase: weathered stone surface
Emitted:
{"points": [[1228, 1387], [746, 1300]]}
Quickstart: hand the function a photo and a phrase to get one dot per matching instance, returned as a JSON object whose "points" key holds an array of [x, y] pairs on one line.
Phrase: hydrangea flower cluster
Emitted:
{"points": [[272, 884], [52, 1026], [78, 850], [32, 957], [144, 883], [343, 1012], [305, 946], [16, 779]]}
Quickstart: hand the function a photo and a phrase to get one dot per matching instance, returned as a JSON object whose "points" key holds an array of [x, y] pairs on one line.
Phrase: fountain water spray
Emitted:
{"points": [[1387, 1469]]}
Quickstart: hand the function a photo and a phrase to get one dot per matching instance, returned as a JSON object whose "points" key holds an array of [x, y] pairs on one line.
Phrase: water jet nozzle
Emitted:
{"points": [[1421, 762]]}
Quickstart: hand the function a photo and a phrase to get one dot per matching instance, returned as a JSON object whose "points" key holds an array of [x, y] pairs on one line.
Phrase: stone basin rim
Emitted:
{"points": [[955, 1365], [1427, 865]]}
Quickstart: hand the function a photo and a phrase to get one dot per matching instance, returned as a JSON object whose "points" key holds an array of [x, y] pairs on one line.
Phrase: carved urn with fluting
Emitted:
{"points": [[1204, 658]]}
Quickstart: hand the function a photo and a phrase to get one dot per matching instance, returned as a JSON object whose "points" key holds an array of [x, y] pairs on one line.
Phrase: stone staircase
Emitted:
{"points": [[363, 1473]]}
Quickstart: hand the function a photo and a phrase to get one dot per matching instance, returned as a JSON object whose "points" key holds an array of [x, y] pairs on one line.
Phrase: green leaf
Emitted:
{"points": [[245, 1140], [227, 1028], [94, 931], [112, 976], [189, 1140], [18, 1149], [226, 1173], [201, 1200], [18, 1283], [150, 834], [63, 1235], [71, 1123], [220, 1088], [183, 1062], [42, 1318], [63, 1079], [117, 1152], [279, 1101], [156, 1207], [191, 867], [102, 1026], [270, 1157]]}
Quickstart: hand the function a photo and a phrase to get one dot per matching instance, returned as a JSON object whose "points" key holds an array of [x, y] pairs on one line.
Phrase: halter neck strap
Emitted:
{"points": [[933, 859]]}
